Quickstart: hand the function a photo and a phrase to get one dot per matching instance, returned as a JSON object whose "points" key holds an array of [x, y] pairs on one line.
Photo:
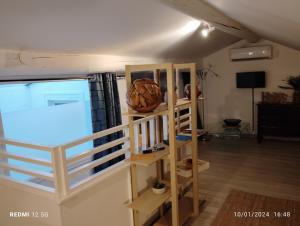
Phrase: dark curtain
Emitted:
{"points": [[106, 113]]}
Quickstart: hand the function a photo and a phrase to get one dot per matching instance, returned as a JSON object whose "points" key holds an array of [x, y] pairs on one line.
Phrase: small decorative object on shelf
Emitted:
{"points": [[154, 148], [293, 82], [183, 137], [159, 188], [144, 95], [187, 91]]}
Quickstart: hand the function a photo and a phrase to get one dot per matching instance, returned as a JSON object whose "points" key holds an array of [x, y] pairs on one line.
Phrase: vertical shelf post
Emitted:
{"points": [[172, 145], [194, 140], [133, 170]]}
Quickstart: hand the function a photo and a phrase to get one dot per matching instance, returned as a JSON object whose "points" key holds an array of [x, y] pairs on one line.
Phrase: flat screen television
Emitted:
{"points": [[255, 79]]}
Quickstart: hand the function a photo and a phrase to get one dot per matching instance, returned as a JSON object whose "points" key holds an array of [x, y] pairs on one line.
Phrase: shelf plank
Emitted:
{"points": [[147, 202], [183, 103], [202, 164], [181, 181], [150, 160], [185, 212]]}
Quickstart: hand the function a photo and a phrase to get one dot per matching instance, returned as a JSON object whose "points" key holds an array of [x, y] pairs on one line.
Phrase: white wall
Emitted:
{"points": [[18, 200], [224, 100], [104, 203]]}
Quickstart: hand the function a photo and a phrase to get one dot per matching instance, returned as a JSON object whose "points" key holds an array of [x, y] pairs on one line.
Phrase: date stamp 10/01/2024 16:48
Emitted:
{"points": [[262, 214]]}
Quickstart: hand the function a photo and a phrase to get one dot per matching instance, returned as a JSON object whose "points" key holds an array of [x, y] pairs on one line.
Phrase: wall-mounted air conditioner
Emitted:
{"points": [[251, 53]]}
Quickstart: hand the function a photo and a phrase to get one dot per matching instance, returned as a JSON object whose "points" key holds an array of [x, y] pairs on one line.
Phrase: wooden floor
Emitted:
{"points": [[271, 168]]}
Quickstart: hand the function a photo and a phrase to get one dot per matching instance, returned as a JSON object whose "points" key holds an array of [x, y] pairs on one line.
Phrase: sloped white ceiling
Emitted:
{"points": [[120, 27], [276, 20]]}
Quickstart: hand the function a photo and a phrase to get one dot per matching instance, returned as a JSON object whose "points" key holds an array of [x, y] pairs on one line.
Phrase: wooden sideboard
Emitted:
{"points": [[282, 120]]}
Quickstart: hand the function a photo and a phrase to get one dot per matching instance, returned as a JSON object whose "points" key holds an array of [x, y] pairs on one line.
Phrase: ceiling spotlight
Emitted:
{"points": [[204, 32], [207, 28]]}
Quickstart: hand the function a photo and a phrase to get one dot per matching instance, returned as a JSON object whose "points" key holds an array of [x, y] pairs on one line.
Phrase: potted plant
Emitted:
{"points": [[159, 188], [293, 82]]}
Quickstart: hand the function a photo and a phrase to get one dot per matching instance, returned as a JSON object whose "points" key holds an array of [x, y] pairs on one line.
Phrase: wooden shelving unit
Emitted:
{"points": [[147, 202], [149, 161]]}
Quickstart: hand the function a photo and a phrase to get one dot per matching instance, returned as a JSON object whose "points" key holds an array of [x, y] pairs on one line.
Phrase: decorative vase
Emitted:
{"points": [[296, 97], [187, 91]]}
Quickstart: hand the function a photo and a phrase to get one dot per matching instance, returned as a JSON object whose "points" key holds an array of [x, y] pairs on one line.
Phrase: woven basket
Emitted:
{"points": [[144, 95]]}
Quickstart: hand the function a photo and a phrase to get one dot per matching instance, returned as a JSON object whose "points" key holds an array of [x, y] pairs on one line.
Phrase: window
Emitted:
{"points": [[46, 113]]}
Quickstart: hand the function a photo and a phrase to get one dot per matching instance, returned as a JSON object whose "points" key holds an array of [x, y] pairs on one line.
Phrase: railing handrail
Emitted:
{"points": [[30, 159], [26, 145], [98, 149], [97, 162], [38, 174], [94, 136]]}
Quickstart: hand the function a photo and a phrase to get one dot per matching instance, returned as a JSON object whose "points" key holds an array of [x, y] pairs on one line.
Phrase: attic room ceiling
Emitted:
{"points": [[119, 27], [276, 20]]}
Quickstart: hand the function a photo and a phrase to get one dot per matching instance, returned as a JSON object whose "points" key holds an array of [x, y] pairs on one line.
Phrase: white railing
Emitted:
{"points": [[146, 130], [67, 175], [39, 175]]}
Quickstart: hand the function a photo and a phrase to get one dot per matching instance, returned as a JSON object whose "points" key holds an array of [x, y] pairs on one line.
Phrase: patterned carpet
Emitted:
{"points": [[248, 209]]}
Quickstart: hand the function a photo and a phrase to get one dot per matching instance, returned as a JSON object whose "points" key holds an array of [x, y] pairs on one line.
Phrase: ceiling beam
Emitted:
{"points": [[204, 11]]}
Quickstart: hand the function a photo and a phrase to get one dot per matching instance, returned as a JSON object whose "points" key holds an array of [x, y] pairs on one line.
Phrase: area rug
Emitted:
{"points": [[248, 209]]}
